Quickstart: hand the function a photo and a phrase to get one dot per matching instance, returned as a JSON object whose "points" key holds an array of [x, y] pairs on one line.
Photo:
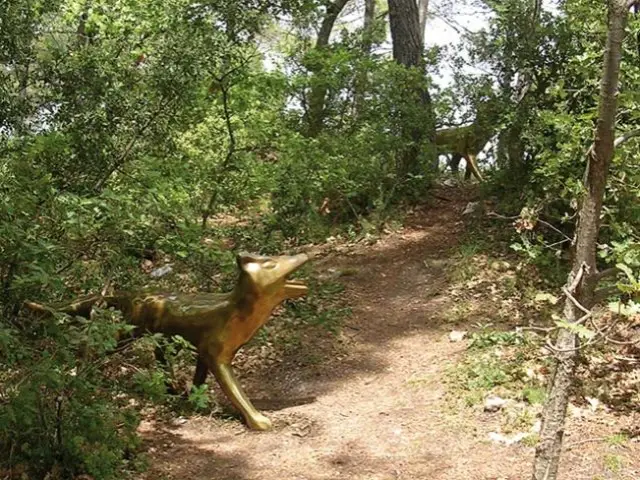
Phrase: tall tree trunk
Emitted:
{"points": [[369, 19], [367, 42], [404, 21], [582, 279], [315, 112], [423, 8]]}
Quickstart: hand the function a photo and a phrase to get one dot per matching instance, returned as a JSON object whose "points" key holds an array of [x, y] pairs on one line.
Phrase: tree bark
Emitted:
{"points": [[315, 112], [423, 8], [404, 22], [583, 277]]}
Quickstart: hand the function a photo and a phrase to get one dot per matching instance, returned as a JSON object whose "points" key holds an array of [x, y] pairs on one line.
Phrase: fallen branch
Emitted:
{"points": [[609, 272], [626, 137], [539, 220]]}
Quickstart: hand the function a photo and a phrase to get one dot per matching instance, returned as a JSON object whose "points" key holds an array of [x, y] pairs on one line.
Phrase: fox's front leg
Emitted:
{"points": [[232, 389]]}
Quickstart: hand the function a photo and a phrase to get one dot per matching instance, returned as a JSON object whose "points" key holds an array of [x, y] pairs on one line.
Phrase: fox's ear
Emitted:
{"points": [[243, 259]]}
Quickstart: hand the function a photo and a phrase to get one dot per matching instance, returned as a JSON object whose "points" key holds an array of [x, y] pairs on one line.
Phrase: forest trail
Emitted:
{"points": [[368, 403]]}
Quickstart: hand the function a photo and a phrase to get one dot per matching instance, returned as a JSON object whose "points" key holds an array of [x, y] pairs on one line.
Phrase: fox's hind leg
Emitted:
{"points": [[201, 372]]}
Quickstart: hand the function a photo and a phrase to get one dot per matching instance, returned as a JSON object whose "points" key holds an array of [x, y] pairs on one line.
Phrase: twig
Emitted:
{"points": [[581, 442], [231, 149], [59, 400], [539, 220], [560, 242], [555, 349], [440, 197], [578, 278], [620, 342], [538, 329], [502, 217], [576, 303], [555, 229], [627, 359], [629, 135]]}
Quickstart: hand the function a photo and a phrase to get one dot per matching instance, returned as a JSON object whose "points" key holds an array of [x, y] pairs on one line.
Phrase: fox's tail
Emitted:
{"points": [[37, 307], [81, 307]]}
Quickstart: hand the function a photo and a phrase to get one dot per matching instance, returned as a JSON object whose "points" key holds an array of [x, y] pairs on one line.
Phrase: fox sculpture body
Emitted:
{"points": [[462, 142], [217, 324]]}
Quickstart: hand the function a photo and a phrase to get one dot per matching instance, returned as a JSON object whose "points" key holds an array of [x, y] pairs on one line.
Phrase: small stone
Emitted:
{"points": [[162, 271], [536, 427], [494, 403], [594, 403], [178, 421], [473, 208], [499, 438], [457, 335]]}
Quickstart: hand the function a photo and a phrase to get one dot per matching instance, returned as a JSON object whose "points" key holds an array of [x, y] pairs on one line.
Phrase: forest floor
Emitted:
{"points": [[371, 400]]}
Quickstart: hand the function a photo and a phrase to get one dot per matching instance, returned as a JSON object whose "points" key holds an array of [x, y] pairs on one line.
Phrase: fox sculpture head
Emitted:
{"points": [[268, 276]]}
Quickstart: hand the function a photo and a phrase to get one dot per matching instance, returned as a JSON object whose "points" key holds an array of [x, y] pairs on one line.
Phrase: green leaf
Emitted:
{"points": [[578, 329], [628, 309], [546, 297]]}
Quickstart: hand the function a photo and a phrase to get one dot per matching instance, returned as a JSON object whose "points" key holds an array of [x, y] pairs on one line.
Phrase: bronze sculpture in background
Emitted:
{"points": [[467, 141], [217, 324]]}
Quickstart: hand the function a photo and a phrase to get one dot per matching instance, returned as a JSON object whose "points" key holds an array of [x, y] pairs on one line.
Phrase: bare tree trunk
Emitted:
{"points": [[423, 8], [582, 279], [404, 21], [318, 92]]}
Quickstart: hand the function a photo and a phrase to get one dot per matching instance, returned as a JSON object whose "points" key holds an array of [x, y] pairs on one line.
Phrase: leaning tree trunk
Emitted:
{"points": [[582, 279], [315, 110], [404, 21]]}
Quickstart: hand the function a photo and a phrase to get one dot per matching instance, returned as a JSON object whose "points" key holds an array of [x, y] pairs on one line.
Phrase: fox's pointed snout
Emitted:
{"points": [[296, 261]]}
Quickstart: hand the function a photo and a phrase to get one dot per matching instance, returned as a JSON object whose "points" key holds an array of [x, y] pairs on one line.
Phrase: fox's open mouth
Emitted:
{"points": [[295, 288]]}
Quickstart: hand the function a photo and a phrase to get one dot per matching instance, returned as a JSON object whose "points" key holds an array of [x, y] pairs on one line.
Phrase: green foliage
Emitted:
{"points": [[534, 395], [59, 412], [486, 338], [321, 306], [496, 362], [199, 397], [547, 72], [138, 135], [618, 439]]}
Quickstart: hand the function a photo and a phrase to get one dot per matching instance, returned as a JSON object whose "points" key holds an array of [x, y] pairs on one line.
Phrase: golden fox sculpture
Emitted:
{"points": [[217, 324]]}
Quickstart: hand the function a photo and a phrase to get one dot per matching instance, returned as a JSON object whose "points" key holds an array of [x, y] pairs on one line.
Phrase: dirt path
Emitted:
{"points": [[376, 409]]}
